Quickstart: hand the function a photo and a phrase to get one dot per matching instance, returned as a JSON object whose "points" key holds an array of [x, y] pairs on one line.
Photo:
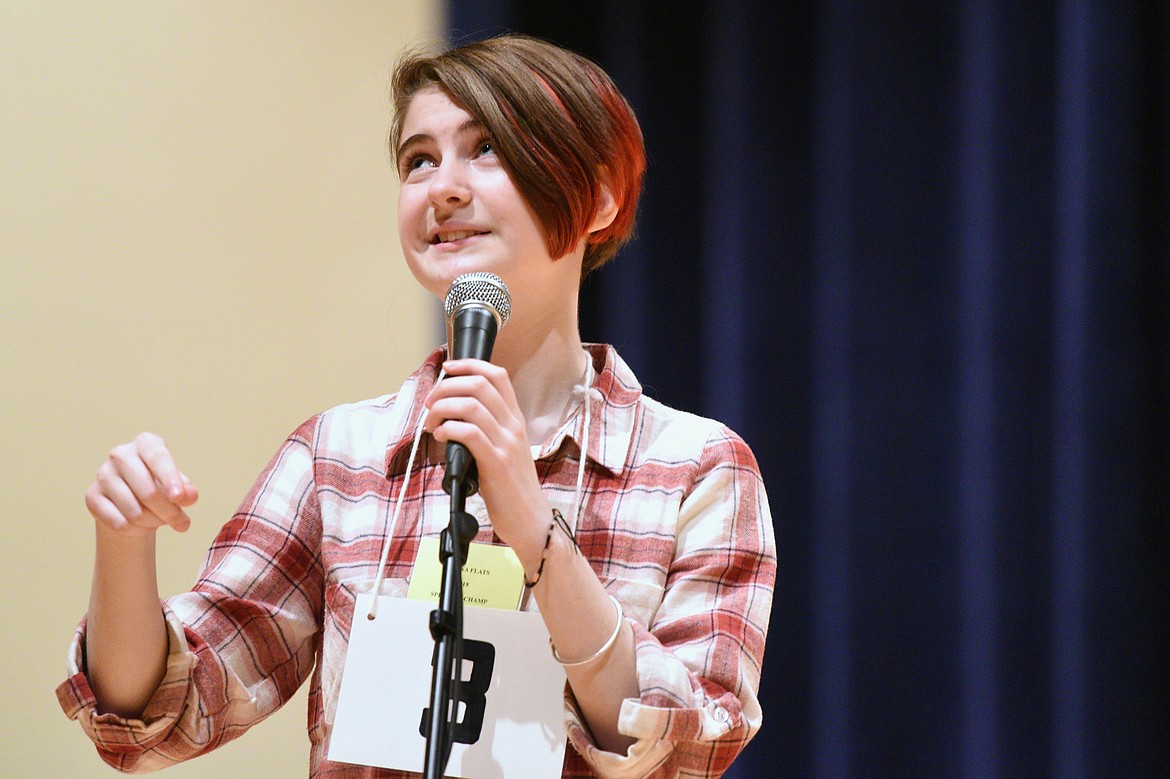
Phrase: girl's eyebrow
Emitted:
{"points": [[472, 125]]}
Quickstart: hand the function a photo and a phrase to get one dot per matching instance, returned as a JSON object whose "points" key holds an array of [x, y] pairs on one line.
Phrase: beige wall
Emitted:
{"points": [[197, 238]]}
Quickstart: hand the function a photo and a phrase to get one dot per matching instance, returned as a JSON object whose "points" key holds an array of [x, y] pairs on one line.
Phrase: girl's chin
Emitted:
{"points": [[438, 281], [451, 267]]}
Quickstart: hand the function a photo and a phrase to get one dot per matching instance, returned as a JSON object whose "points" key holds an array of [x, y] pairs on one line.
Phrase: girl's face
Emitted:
{"points": [[458, 210]]}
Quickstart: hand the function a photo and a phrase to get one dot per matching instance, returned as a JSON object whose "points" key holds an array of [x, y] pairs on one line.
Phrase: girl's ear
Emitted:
{"points": [[607, 209]]}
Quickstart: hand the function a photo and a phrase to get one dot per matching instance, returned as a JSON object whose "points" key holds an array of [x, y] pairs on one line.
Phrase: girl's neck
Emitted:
{"points": [[544, 364]]}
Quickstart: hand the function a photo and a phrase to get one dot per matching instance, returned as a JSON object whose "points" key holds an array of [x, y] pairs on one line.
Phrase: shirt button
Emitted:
{"points": [[721, 715]]}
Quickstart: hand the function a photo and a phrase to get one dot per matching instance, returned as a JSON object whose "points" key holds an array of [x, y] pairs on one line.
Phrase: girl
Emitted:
{"points": [[643, 532]]}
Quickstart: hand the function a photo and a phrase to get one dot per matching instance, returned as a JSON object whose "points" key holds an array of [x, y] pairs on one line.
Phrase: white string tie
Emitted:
{"points": [[588, 396], [398, 509]]}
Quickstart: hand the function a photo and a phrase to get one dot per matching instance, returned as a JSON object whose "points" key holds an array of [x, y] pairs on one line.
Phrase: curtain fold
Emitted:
{"points": [[918, 254]]}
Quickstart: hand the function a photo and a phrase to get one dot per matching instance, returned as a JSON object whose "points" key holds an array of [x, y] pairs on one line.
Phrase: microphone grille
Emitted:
{"points": [[480, 287]]}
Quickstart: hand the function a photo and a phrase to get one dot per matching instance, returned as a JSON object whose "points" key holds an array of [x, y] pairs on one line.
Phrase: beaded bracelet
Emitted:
{"points": [[558, 520], [608, 645]]}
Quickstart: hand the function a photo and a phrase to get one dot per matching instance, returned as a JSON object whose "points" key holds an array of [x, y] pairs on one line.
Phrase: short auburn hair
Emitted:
{"points": [[559, 124]]}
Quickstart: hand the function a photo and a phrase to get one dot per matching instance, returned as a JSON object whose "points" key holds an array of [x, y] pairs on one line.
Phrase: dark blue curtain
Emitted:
{"points": [[918, 254]]}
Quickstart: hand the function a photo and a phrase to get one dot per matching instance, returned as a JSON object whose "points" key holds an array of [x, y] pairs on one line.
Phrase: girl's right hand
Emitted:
{"points": [[139, 489]]}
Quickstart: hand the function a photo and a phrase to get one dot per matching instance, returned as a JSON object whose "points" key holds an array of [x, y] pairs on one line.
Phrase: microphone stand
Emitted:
{"points": [[471, 333], [447, 625]]}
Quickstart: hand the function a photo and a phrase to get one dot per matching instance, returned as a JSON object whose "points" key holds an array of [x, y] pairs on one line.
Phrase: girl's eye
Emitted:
{"points": [[414, 163], [485, 147]]}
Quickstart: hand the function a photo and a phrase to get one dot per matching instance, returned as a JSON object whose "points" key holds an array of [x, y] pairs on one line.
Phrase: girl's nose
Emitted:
{"points": [[448, 186]]}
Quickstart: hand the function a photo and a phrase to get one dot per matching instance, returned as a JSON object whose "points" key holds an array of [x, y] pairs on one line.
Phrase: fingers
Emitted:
{"points": [[476, 406], [104, 511], [189, 494], [482, 385], [139, 489], [462, 408], [494, 374], [152, 452]]}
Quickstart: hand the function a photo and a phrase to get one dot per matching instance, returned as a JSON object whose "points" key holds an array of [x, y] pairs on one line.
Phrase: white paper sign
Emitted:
{"points": [[386, 685]]}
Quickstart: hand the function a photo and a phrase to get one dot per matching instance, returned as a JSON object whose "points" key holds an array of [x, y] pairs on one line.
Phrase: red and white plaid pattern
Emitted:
{"points": [[676, 524]]}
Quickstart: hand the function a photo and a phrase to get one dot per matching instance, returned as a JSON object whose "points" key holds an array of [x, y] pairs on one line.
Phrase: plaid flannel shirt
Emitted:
{"points": [[675, 523]]}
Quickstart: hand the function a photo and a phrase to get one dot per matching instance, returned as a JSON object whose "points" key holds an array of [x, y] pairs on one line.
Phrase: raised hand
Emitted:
{"points": [[139, 489]]}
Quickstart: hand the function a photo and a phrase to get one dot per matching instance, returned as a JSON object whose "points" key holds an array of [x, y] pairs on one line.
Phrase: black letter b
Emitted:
{"points": [[472, 693]]}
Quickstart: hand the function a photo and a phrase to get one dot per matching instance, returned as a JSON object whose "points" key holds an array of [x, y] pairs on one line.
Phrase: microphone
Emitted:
{"points": [[477, 306]]}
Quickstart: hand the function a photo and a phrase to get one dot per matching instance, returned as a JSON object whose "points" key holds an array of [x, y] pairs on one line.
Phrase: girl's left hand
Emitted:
{"points": [[476, 405]]}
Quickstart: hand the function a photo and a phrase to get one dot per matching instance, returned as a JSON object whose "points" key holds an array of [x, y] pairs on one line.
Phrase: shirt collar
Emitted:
{"points": [[611, 425], [410, 399]]}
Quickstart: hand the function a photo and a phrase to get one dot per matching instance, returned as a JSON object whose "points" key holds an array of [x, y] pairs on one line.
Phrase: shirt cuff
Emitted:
{"points": [[114, 735], [642, 757], [670, 711]]}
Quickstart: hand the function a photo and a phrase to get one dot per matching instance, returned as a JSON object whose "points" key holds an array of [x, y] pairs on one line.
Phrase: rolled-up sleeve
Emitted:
{"points": [[240, 642], [699, 662], [121, 739]]}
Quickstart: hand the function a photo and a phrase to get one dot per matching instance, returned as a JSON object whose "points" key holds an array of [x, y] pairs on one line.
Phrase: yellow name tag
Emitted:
{"points": [[492, 578]]}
